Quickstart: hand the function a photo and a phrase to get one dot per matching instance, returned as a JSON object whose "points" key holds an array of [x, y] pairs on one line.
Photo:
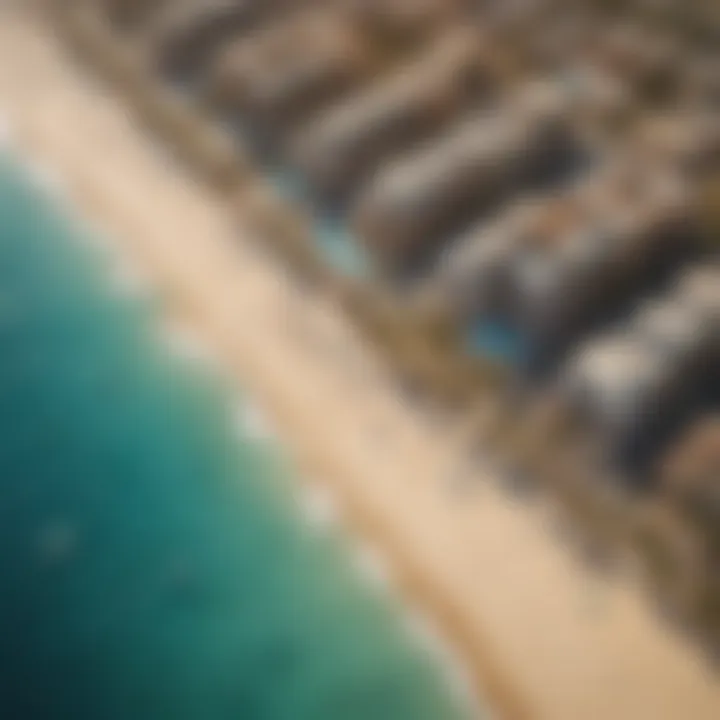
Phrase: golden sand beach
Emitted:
{"points": [[542, 636]]}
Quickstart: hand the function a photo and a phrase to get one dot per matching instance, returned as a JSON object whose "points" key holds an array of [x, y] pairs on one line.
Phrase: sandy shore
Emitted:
{"points": [[542, 636]]}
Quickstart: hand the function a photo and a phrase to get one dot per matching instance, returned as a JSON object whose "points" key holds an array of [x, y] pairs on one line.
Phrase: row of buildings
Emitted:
{"points": [[518, 201]]}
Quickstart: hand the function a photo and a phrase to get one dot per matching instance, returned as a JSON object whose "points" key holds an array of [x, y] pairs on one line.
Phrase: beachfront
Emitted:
{"points": [[581, 648]]}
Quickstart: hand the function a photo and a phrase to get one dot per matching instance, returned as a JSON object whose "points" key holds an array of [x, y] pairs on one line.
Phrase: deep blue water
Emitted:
{"points": [[497, 341], [154, 564]]}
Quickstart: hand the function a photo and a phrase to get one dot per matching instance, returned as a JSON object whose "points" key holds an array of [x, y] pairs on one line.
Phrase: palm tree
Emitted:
{"points": [[600, 511], [209, 149], [283, 227], [122, 62], [487, 422], [372, 305], [130, 14], [678, 532], [541, 431], [689, 475], [380, 314], [87, 31], [676, 560], [709, 207], [186, 34]]}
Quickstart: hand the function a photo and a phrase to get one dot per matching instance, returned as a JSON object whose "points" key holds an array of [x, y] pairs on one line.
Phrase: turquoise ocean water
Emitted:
{"points": [[154, 564]]}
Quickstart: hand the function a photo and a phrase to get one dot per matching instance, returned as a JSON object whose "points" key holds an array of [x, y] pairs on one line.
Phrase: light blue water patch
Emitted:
{"points": [[336, 243], [497, 341], [154, 566], [340, 248]]}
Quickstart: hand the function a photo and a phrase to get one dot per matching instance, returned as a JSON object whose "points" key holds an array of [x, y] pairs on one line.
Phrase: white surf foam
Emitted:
{"points": [[185, 344], [427, 636], [319, 507], [99, 240], [372, 566], [129, 281], [47, 179], [252, 423]]}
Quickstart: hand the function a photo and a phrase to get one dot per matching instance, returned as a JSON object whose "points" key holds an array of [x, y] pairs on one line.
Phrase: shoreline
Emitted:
{"points": [[317, 507], [441, 550]]}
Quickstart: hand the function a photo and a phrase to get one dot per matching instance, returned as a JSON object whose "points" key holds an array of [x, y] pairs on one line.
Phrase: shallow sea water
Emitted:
{"points": [[154, 562]]}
